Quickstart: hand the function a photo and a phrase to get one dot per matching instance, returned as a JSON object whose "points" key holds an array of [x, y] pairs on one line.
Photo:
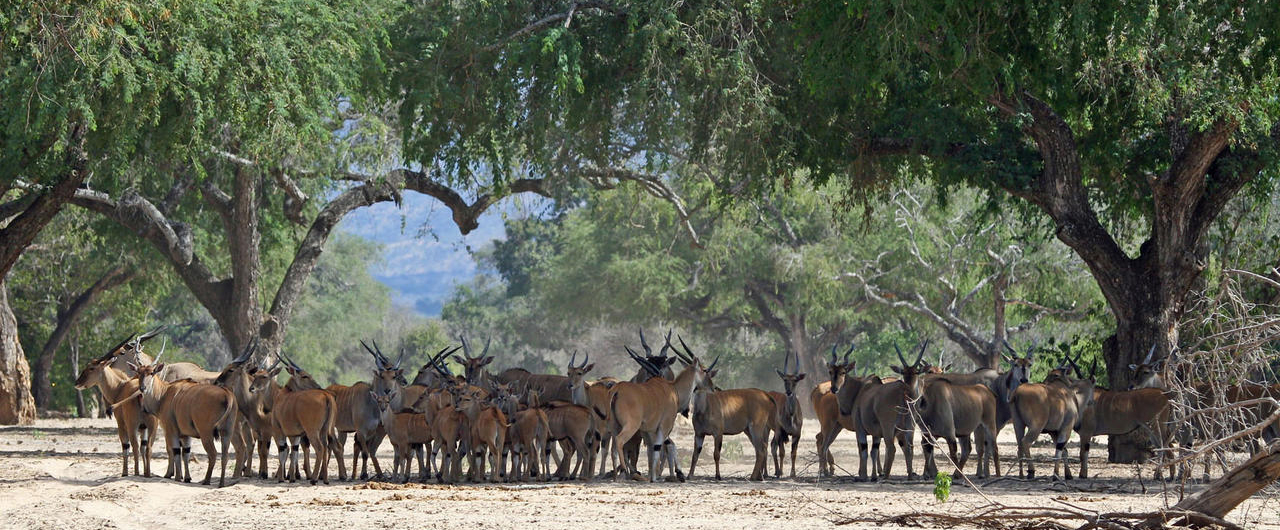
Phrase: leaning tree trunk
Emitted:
{"points": [[1226, 493], [42, 387], [16, 403]]}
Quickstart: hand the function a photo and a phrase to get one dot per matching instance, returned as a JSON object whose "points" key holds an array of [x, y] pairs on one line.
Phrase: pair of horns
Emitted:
{"points": [[837, 360], [585, 359], [919, 356], [466, 348], [795, 370], [383, 361]]}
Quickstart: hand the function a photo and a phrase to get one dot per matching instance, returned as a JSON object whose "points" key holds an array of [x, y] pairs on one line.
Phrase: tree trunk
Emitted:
{"points": [[42, 387], [16, 405], [74, 346], [1236, 486]]}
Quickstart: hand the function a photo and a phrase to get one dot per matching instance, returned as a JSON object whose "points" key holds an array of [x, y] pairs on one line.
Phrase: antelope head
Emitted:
{"points": [[385, 398], [1148, 373], [263, 379], [837, 369], [150, 385], [237, 369], [502, 396], [792, 376], [576, 374], [474, 365], [432, 371], [387, 373], [909, 371], [299, 379], [1019, 368]]}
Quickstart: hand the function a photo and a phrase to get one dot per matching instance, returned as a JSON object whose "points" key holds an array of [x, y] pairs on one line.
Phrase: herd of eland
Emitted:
{"points": [[509, 426]]}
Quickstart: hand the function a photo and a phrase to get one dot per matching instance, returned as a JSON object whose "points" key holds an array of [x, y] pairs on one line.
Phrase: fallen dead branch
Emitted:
{"points": [[1002, 517]]}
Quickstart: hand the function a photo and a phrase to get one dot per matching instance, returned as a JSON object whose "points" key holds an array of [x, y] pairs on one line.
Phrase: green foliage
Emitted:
{"points": [[1120, 74], [168, 83], [942, 486], [1087, 351]]}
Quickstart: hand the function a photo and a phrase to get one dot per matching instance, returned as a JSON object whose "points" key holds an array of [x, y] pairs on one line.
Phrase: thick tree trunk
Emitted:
{"points": [[16, 405], [1235, 487], [42, 387]]}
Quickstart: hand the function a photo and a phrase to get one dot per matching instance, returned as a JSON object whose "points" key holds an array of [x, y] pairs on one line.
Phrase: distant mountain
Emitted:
{"points": [[424, 255]]}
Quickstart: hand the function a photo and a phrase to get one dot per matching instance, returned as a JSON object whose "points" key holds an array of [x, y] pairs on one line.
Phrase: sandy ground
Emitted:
{"points": [[64, 474]]}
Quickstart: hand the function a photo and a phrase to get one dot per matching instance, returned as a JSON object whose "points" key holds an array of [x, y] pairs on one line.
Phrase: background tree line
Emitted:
{"points": [[783, 166]]}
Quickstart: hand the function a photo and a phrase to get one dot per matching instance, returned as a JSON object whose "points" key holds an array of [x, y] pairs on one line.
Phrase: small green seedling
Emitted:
{"points": [[942, 486]]}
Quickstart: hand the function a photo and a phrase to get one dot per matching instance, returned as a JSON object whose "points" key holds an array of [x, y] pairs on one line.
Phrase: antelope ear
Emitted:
{"points": [[486, 361], [780, 374], [896, 369], [588, 368], [1133, 367], [800, 377], [157, 367], [274, 372]]}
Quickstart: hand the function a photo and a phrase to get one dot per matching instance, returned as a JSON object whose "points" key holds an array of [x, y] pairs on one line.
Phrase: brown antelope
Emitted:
{"points": [[787, 419], [408, 430], [949, 412], [1122, 412], [576, 426], [448, 428], [302, 415], [1054, 407], [1202, 395], [134, 427], [238, 377], [879, 409], [186, 409], [664, 364], [487, 432], [473, 367], [527, 435], [650, 408], [358, 413], [823, 400], [743, 410]]}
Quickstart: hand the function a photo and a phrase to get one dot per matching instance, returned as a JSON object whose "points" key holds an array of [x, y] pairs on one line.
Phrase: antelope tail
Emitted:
{"points": [[223, 420], [613, 412], [135, 394]]}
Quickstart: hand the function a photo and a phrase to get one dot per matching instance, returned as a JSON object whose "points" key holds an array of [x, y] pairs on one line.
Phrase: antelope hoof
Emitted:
{"points": [[204, 482], [912, 476], [672, 479], [187, 480]]}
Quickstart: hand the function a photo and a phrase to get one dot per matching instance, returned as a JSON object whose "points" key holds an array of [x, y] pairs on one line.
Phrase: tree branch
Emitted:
{"points": [[172, 239], [551, 20], [23, 229]]}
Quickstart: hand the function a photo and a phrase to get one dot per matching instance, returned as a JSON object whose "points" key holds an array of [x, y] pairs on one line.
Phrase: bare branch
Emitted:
{"points": [[551, 20]]}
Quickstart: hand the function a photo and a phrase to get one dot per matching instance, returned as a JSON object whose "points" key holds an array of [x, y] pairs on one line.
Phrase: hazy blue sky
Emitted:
{"points": [[424, 254]]}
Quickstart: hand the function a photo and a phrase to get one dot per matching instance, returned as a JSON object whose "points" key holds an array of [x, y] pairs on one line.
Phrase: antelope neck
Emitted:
{"points": [[112, 382], [684, 384]]}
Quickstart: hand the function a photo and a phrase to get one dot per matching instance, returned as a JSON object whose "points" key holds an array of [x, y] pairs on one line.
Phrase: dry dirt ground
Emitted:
{"points": [[64, 474]]}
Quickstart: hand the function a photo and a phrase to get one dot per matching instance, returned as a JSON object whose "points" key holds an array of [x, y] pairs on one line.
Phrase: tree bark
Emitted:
{"points": [[42, 387], [16, 404], [1146, 294], [1247, 479]]}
